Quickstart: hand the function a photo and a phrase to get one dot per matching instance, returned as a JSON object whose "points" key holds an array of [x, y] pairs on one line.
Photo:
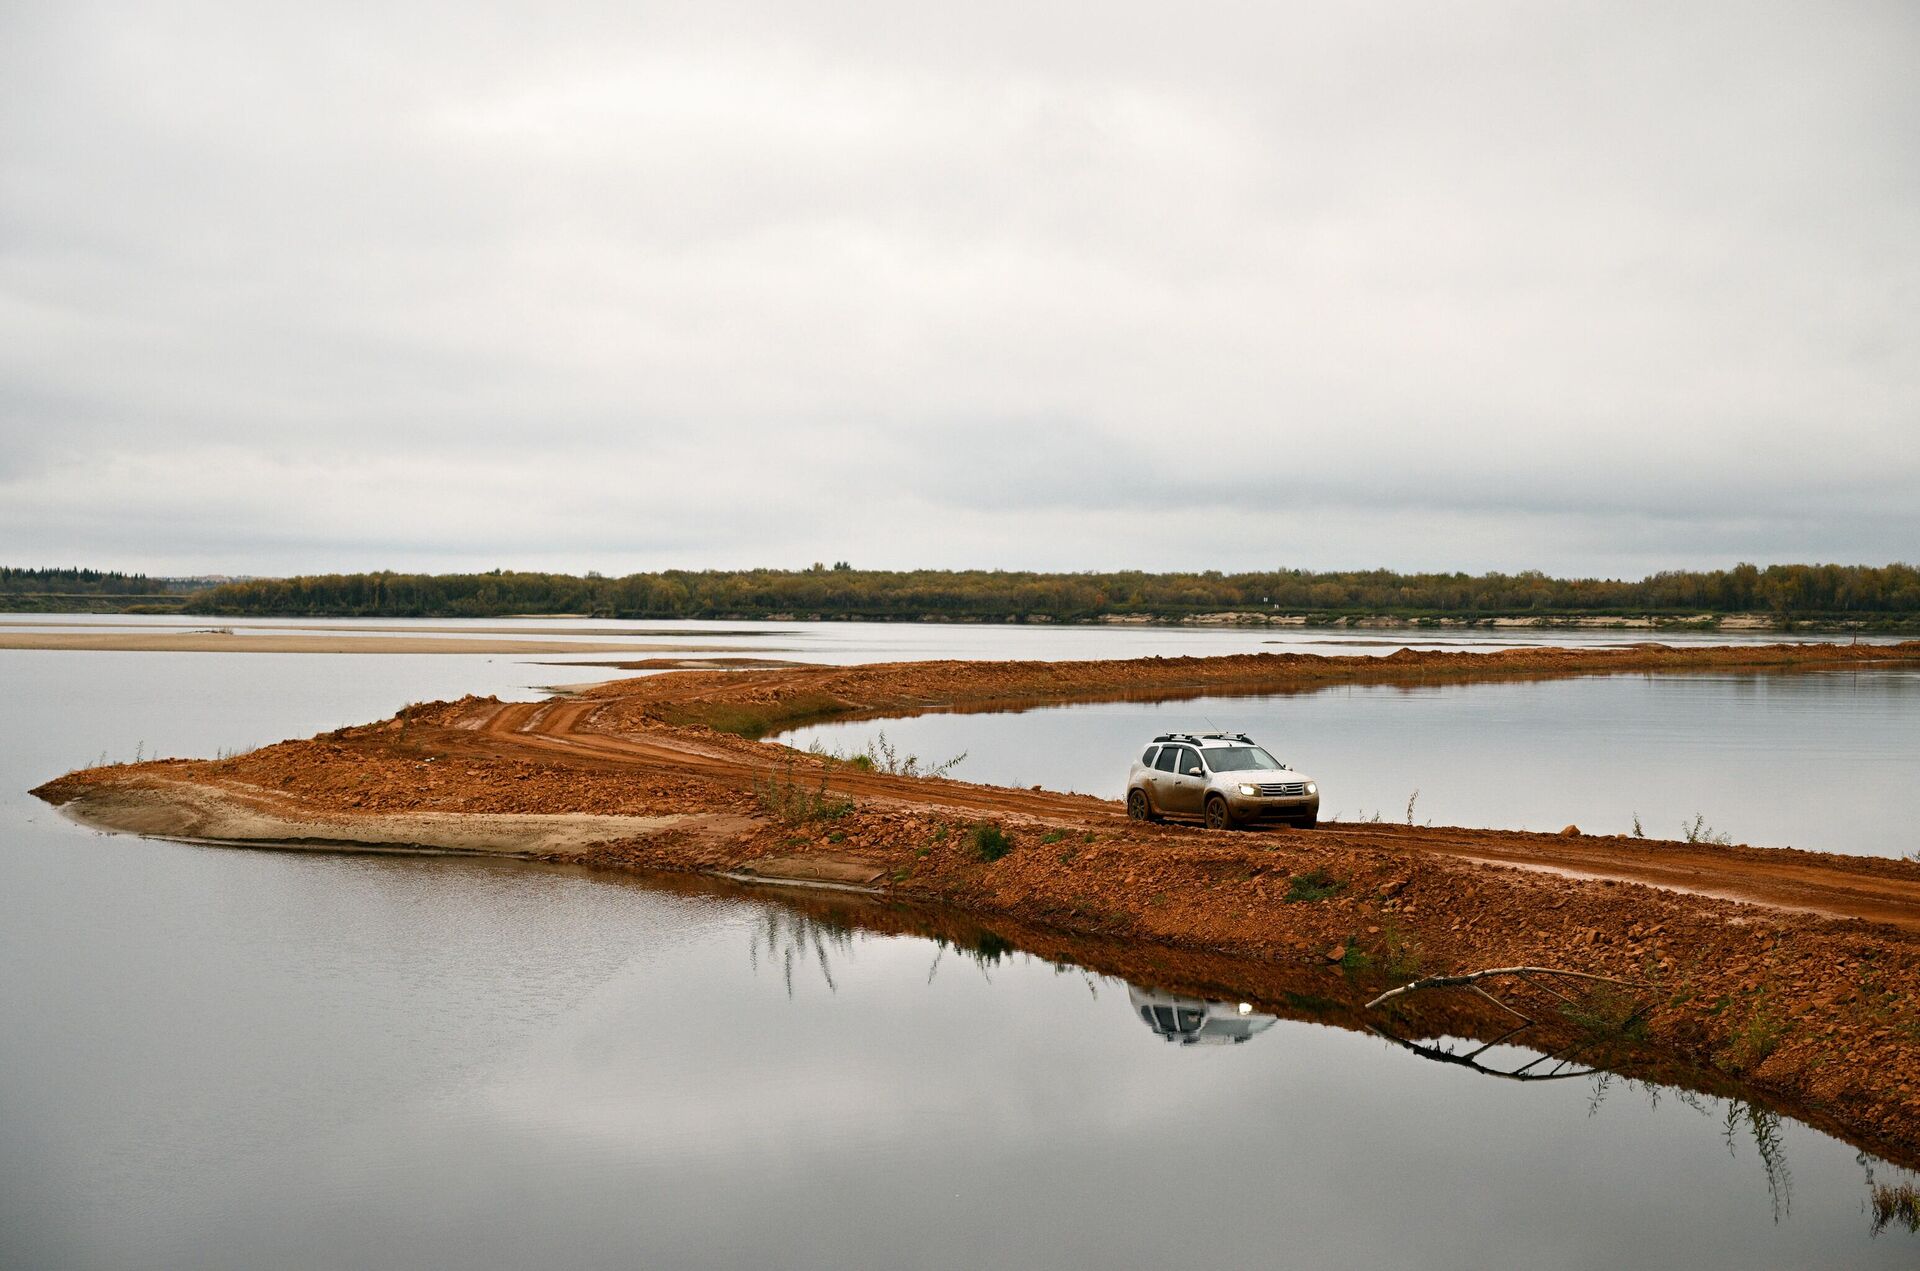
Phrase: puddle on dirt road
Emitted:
{"points": [[1820, 760]]}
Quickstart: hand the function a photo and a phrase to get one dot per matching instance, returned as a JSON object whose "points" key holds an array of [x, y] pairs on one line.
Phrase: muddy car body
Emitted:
{"points": [[1224, 779]]}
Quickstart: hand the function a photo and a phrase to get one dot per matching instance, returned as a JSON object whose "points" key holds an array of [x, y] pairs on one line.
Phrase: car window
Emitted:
{"points": [[1167, 755], [1239, 759], [1190, 761], [1146, 759]]}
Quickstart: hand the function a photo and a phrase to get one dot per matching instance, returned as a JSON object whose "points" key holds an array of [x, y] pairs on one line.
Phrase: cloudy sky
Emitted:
{"points": [[1589, 288]]}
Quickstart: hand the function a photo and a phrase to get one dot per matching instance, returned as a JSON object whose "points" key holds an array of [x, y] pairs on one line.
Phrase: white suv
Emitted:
{"points": [[1223, 778]]}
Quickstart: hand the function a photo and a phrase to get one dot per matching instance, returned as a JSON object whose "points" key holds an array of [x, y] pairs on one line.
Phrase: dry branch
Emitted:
{"points": [[1468, 981]]}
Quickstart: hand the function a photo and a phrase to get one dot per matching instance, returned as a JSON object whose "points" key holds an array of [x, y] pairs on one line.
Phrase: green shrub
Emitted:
{"points": [[990, 842], [1701, 832]]}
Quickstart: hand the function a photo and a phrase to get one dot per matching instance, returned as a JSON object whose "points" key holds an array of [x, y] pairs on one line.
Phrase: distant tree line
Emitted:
{"points": [[79, 582], [1854, 593], [88, 590]]}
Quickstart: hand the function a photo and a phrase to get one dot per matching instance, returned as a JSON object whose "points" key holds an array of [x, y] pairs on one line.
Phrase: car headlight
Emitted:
{"points": [[1312, 788], [1247, 789]]}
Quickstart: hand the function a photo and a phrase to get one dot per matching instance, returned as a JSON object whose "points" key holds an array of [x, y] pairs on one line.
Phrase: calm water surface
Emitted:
{"points": [[219, 1058], [852, 642]]}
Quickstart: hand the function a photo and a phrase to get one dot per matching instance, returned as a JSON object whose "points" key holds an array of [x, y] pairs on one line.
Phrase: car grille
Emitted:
{"points": [[1282, 789]]}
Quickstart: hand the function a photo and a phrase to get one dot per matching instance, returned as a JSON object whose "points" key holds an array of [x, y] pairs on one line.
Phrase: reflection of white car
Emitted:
{"points": [[1193, 1022]]}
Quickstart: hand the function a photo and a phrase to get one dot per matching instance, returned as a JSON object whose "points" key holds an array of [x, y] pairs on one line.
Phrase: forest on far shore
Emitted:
{"points": [[1844, 594], [1882, 597], [89, 591]]}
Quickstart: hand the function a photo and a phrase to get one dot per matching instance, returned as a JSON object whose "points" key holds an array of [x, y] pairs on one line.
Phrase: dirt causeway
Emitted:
{"points": [[1794, 973]]}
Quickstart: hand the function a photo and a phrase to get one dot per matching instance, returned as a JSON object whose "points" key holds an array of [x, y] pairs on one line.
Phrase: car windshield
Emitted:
{"points": [[1239, 758]]}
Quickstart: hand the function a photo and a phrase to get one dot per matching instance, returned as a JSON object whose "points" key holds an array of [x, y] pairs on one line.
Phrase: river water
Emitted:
{"points": [[218, 1058]]}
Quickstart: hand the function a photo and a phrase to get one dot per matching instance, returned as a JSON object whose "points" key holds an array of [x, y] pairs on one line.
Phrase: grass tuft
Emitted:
{"points": [[1400, 954], [1315, 884], [792, 802], [1757, 1038], [1605, 1012]]}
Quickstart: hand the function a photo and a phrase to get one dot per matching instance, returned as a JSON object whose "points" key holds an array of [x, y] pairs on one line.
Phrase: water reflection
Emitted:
{"points": [[1893, 1205], [1495, 1058], [793, 937], [1193, 1021], [1195, 1000]]}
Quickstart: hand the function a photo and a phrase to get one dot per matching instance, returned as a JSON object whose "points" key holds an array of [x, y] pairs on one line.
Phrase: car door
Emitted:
{"points": [[1182, 789], [1160, 781]]}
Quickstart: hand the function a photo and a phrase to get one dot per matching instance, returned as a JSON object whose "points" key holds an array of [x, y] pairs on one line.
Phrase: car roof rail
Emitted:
{"points": [[1229, 737], [1178, 737]]}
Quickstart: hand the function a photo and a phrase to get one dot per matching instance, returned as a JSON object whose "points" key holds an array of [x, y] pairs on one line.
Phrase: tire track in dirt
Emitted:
{"points": [[559, 732]]}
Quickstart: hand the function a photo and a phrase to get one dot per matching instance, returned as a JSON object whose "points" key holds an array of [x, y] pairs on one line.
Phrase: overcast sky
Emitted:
{"points": [[1592, 289]]}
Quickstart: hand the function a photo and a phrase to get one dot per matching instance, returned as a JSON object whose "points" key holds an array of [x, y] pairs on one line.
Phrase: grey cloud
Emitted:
{"points": [[734, 283]]}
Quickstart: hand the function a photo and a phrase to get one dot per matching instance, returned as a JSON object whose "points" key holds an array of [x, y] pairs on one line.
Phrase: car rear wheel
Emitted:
{"points": [[1138, 808], [1219, 815]]}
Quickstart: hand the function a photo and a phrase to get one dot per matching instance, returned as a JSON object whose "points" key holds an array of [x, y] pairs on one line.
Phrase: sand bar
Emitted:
{"points": [[196, 623], [157, 640]]}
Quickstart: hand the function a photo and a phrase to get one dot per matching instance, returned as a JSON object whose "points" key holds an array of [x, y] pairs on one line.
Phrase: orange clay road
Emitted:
{"points": [[1835, 886]]}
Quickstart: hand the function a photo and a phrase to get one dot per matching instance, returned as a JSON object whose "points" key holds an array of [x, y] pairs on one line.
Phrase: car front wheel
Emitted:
{"points": [[1219, 815]]}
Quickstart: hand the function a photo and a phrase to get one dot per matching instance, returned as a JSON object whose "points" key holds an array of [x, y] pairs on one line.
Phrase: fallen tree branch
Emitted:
{"points": [[1467, 980]]}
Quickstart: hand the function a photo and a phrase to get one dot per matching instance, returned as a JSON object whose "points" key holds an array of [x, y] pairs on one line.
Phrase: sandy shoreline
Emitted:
{"points": [[195, 623], [202, 641]]}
